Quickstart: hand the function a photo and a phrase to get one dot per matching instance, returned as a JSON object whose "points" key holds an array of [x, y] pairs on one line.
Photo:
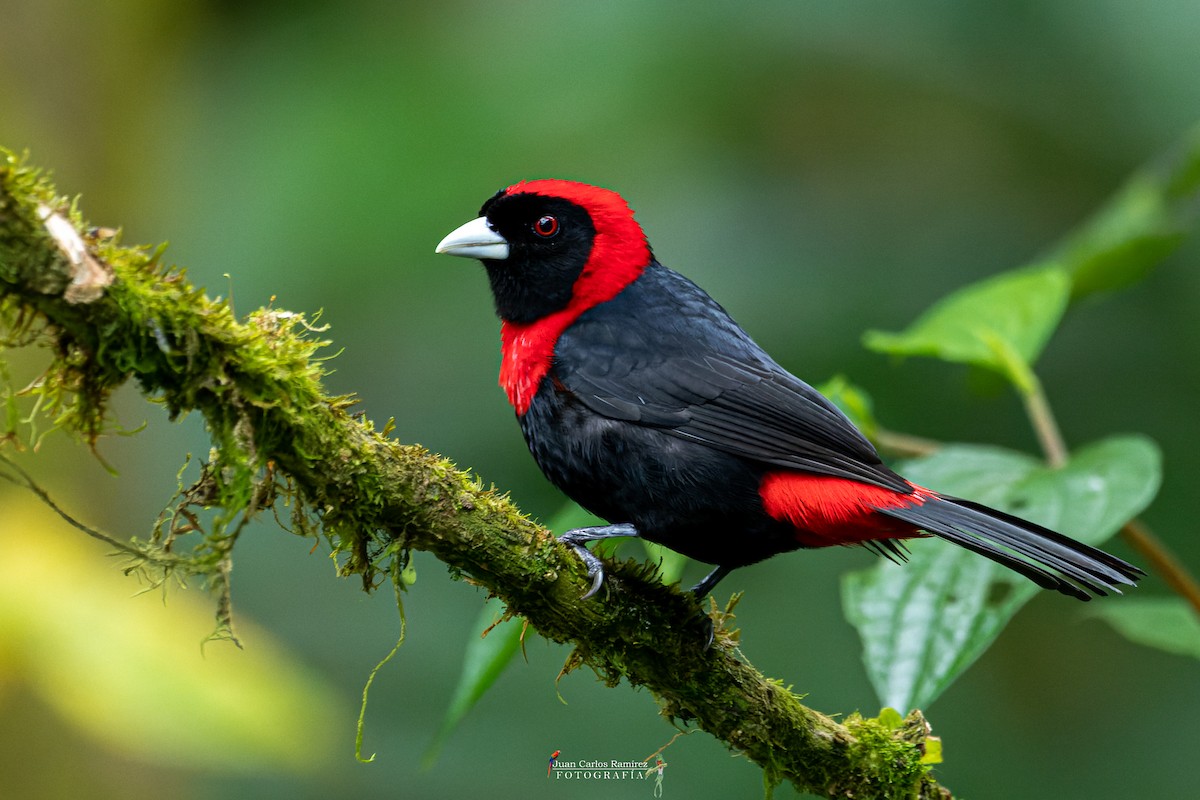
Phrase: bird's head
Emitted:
{"points": [[552, 244]]}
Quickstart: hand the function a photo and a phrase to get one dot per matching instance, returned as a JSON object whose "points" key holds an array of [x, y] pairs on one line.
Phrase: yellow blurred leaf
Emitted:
{"points": [[129, 671]]}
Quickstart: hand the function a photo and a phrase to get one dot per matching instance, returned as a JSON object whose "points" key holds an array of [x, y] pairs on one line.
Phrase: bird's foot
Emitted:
{"points": [[577, 540], [710, 581], [700, 590]]}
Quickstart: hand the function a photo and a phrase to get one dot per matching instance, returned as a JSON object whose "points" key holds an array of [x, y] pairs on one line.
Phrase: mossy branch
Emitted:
{"points": [[109, 313]]}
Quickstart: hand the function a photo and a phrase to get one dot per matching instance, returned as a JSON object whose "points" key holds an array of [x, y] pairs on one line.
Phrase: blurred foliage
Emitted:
{"points": [[493, 645], [64, 612], [1140, 226], [820, 168], [853, 402], [1167, 623]]}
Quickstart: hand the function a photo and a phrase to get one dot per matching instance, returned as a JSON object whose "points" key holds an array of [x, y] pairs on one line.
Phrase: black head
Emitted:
{"points": [[550, 244], [549, 241]]}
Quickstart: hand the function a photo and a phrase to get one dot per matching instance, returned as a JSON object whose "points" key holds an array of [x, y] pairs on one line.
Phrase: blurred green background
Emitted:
{"points": [[820, 168]]}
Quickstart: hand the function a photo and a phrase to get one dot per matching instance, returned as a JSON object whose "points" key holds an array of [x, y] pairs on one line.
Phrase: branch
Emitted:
{"points": [[1037, 408], [110, 313], [1163, 561]]}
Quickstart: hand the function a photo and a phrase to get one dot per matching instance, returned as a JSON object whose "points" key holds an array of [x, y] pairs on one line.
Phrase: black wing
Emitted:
{"points": [[666, 355]]}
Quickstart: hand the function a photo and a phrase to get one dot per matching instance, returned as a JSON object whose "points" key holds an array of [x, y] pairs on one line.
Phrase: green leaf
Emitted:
{"points": [[853, 401], [933, 751], [923, 623], [1166, 623], [1139, 227], [890, 718], [984, 324], [485, 659]]}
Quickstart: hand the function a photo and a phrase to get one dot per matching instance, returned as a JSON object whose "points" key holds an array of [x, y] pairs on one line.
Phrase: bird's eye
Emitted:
{"points": [[546, 227]]}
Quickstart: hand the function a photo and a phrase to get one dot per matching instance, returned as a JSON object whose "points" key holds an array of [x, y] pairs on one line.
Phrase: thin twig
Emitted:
{"points": [[25, 481], [1163, 561], [1044, 425], [905, 445]]}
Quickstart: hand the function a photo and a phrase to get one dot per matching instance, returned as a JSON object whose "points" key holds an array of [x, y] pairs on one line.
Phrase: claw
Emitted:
{"points": [[595, 567], [597, 580], [577, 539], [712, 631], [703, 588]]}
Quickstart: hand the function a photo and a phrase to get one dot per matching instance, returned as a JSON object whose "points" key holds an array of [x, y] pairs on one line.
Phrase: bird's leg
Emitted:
{"points": [[579, 537], [703, 588], [710, 581]]}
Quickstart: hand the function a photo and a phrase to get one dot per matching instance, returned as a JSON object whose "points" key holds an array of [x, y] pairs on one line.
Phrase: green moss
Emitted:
{"points": [[895, 763]]}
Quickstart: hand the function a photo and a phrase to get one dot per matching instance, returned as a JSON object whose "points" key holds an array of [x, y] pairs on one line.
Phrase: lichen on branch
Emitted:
{"points": [[280, 442]]}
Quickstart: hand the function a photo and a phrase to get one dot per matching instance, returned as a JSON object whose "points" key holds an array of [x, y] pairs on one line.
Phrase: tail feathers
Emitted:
{"points": [[1047, 558]]}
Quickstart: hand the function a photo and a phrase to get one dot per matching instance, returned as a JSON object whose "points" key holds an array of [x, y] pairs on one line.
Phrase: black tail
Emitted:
{"points": [[1049, 559]]}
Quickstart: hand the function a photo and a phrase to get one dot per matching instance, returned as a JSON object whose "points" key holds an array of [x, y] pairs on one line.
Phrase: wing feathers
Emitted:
{"points": [[664, 354]]}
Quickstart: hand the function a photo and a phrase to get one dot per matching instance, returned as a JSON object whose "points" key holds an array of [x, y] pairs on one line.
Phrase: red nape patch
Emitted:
{"points": [[619, 255], [828, 510]]}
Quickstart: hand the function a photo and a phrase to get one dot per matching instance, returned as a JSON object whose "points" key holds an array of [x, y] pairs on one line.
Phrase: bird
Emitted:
{"points": [[641, 399]]}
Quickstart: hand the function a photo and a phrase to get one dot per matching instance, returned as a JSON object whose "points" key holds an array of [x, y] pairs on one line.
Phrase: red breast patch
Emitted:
{"points": [[619, 255]]}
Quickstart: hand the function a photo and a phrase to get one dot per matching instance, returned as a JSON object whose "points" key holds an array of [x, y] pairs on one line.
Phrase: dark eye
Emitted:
{"points": [[546, 227]]}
